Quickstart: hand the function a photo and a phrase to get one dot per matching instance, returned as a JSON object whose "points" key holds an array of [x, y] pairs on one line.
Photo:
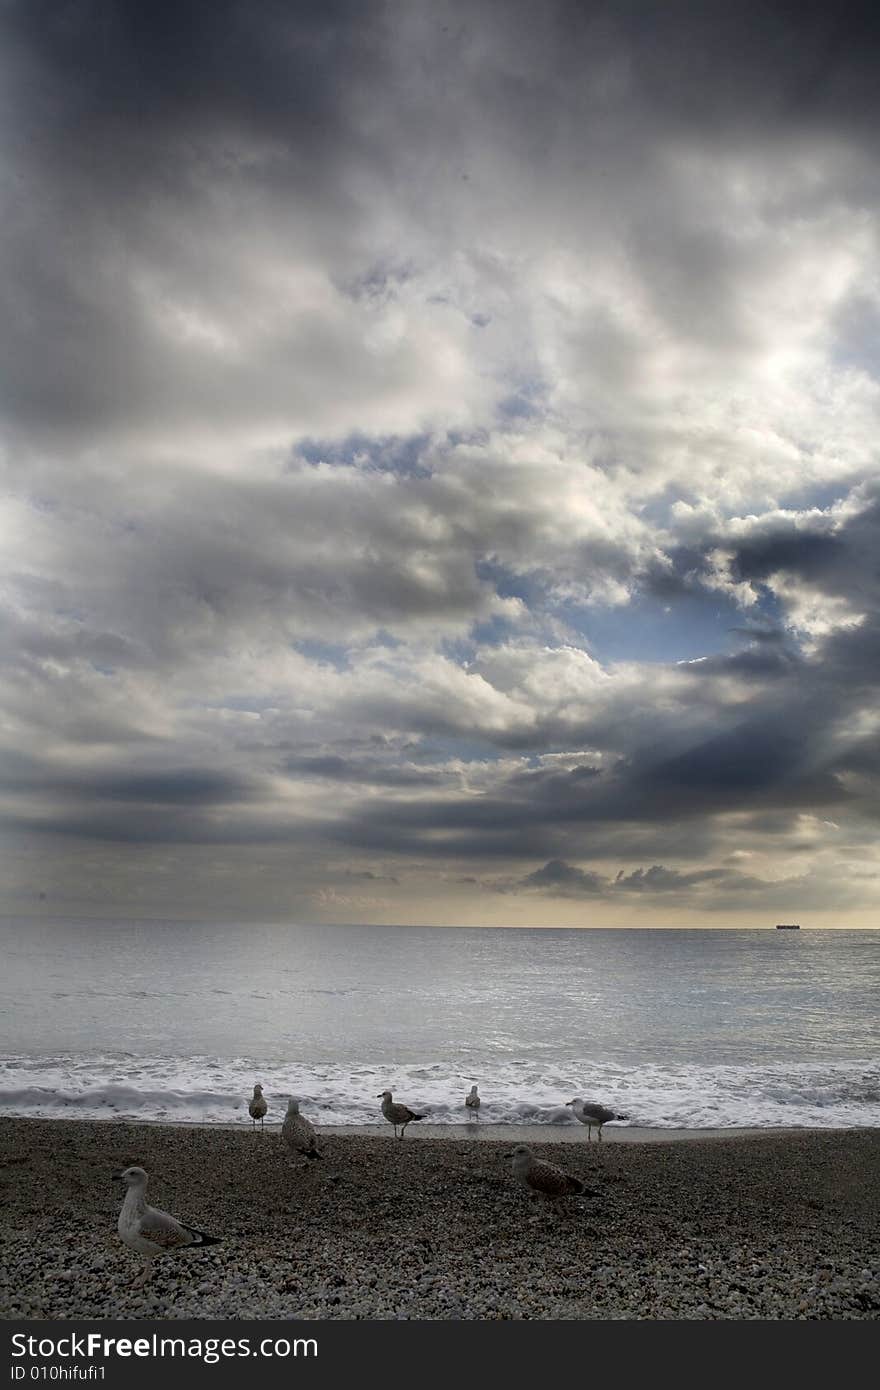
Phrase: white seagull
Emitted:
{"points": [[147, 1230], [591, 1115], [397, 1114], [472, 1101]]}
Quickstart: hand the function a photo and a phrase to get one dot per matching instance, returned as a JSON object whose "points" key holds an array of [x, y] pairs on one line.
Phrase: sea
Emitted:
{"points": [[677, 1029]]}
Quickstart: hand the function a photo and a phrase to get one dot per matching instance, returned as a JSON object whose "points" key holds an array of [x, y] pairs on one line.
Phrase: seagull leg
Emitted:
{"points": [[142, 1278]]}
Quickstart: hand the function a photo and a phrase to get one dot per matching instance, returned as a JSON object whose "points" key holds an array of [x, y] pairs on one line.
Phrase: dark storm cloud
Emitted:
{"points": [[751, 665], [177, 786], [768, 64], [142, 142], [751, 763], [658, 879], [563, 878], [136, 130], [339, 769], [771, 636], [183, 786], [355, 355], [749, 767], [809, 555]]}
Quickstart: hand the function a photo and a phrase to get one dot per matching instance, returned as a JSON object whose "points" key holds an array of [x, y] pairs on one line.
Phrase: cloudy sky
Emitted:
{"points": [[440, 454]]}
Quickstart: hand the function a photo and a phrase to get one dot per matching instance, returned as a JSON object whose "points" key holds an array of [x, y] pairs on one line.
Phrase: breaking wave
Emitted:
{"points": [[209, 1090]]}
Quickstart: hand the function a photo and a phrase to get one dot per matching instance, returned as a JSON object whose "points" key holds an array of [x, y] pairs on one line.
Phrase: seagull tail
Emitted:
{"points": [[202, 1238], [423, 1116]]}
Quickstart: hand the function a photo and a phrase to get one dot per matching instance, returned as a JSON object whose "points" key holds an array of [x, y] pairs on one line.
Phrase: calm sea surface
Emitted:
{"points": [[677, 1028]]}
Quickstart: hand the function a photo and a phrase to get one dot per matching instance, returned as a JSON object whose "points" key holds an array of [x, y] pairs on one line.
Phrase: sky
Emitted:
{"points": [[440, 462]]}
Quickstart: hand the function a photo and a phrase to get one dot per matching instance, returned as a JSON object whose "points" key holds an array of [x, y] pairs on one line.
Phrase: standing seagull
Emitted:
{"points": [[544, 1179], [146, 1229], [472, 1101], [298, 1132], [258, 1107], [590, 1115], [397, 1114]]}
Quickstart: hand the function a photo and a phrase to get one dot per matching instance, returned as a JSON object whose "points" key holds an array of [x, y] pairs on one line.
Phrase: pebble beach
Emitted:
{"points": [[767, 1227]]}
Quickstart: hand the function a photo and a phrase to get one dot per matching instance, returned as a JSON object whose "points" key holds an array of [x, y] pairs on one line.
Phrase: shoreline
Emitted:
{"points": [[483, 1132], [773, 1225]]}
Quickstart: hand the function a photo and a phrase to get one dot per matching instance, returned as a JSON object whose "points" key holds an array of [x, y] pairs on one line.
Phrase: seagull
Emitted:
{"points": [[298, 1132], [257, 1107], [590, 1115], [544, 1179], [146, 1229], [397, 1114], [472, 1101]]}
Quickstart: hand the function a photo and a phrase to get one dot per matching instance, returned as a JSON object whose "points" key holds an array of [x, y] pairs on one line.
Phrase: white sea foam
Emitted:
{"points": [[526, 1091]]}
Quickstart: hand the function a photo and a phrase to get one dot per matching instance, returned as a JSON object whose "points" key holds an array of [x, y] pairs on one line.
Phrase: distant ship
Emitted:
{"points": [[788, 926]]}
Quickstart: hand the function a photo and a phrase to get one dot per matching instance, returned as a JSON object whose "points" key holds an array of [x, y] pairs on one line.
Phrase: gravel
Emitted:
{"points": [[782, 1226]]}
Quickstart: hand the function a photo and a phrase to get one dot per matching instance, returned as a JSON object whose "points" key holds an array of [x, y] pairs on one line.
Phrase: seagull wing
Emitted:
{"points": [[164, 1231], [599, 1113], [552, 1181], [305, 1134]]}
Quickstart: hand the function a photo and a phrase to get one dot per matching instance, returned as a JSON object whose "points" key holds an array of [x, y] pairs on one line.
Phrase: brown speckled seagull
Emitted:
{"points": [[544, 1179], [397, 1114], [299, 1133], [257, 1107], [147, 1230]]}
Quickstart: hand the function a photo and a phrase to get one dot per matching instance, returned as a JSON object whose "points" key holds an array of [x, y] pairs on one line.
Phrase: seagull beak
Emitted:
{"points": [[508, 1155], [117, 1175]]}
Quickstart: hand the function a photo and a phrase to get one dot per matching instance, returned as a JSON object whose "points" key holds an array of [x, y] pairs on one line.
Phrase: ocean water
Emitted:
{"points": [[679, 1029]]}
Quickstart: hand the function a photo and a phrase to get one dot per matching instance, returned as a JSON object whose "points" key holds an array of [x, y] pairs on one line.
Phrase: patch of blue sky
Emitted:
{"points": [[678, 625], [381, 638], [442, 748], [491, 632], [333, 654], [69, 613], [476, 437], [524, 402], [400, 454], [507, 584], [821, 495], [682, 627], [381, 280]]}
